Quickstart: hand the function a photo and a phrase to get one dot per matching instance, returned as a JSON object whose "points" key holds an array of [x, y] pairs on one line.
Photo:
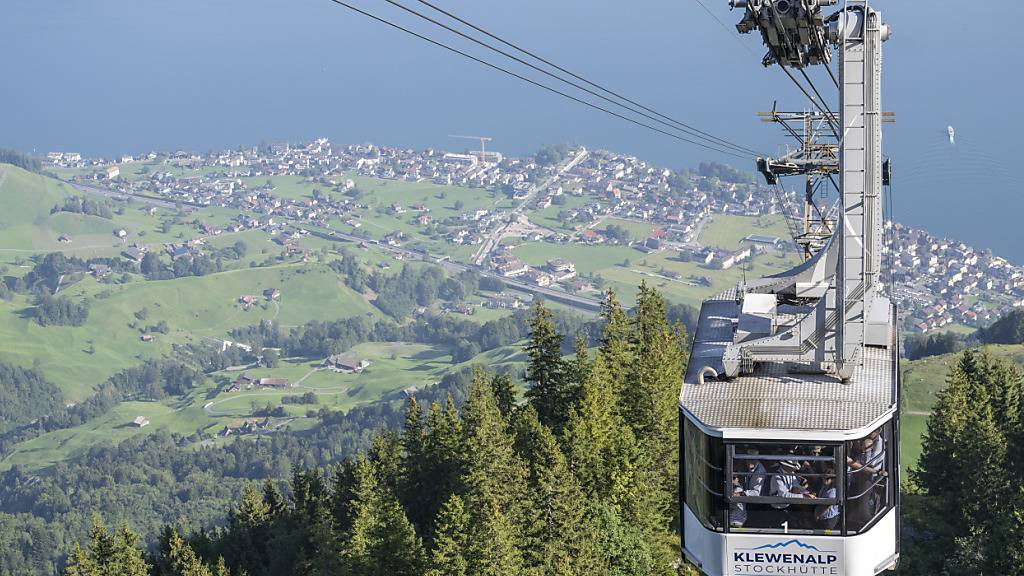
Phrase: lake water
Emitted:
{"points": [[122, 76]]}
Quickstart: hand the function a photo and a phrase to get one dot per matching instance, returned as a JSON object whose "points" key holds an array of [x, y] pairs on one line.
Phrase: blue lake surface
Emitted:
{"points": [[110, 77]]}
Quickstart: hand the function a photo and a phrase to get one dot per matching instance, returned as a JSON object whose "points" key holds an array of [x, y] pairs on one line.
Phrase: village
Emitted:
{"points": [[937, 282]]}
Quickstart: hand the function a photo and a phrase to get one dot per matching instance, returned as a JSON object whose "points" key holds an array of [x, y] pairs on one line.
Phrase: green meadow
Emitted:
{"points": [[728, 231], [922, 380], [77, 358]]}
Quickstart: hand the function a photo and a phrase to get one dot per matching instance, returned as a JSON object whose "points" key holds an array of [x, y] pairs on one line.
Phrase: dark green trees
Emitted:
{"points": [[970, 471], [546, 372], [381, 541], [577, 480], [107, 554]]}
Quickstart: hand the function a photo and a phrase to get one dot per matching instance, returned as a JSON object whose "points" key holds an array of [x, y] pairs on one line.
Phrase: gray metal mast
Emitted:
{"points": [[860, 33], [826, 310]]}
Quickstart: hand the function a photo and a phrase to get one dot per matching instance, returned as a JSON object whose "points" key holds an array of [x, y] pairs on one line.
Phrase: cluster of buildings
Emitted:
{"points": [[617, 185], [937, 282], [555, 271], [627, 187]]}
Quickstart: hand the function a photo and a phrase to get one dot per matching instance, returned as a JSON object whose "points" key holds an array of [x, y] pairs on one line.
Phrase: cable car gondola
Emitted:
{"points": [[789, 411]]}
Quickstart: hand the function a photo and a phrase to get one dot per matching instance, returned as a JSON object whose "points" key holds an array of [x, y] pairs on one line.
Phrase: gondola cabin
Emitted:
{"points": [[785, 470], [789, 411]]}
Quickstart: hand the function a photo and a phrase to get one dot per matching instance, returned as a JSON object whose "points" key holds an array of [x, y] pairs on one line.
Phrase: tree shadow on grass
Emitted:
{"points": [[428, 354]]}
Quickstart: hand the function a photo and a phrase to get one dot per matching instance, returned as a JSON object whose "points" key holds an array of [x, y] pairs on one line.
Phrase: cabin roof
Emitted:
{"points": [[776, 395]]}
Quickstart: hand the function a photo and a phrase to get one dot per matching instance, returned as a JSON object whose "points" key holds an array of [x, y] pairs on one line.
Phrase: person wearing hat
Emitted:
{"points": [[826, 516], [786, 483]]}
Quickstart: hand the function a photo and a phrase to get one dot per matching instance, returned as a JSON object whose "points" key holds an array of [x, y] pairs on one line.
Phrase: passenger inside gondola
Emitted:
{"points": [[866, 479], [750, 481], [787, 483], [826, 516]]}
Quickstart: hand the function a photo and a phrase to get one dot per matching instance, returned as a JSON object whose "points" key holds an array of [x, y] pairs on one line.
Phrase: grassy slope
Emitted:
{"points": [[193, 307], [395, 367], [727, 232], [637, 230], [607, 261], [922, 380], [27, 199], [27, 227]]}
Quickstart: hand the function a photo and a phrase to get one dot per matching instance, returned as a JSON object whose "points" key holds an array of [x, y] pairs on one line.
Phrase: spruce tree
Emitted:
{"points": [[413, 462], [80, 563], [940, 471], [107, 554], [128, 559], [967, 466], [343, 494], [616, 343], [504, 393], [451, 540], [579, 371], [325, 559], [183, 559], [386, 454], [592, 430], [444, 459], [382, 541], [1004, 382], [637, 487], [986, 505], [616, 547], [545, 371], [494, 485], [221, 568], [252, 511], [650, 401], [556, 511], [274, 501], [102, 546]]}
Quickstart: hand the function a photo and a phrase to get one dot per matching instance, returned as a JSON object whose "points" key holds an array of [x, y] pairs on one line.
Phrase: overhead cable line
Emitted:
{"points": [[683, 125], [818, 94], [823, 107], [780, 196], [534, 82], [726, 28], [828, 115], [653, 114], [832, 74]]}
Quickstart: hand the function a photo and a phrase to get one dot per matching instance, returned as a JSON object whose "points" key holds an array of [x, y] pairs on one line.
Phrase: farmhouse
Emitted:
{"points": [[179, 251], [274, 382], [140, 421], [761, 240], [272, 294], [733, 258], [346, 363], [133, 253]]}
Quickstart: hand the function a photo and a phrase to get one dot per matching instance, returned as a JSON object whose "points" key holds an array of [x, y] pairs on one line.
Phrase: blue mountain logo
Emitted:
{"points": [[787, 543]]}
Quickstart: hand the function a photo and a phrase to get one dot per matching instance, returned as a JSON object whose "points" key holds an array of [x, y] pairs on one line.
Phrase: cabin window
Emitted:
{"points": [[704, 477], [870, 481], [782, 487]]}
